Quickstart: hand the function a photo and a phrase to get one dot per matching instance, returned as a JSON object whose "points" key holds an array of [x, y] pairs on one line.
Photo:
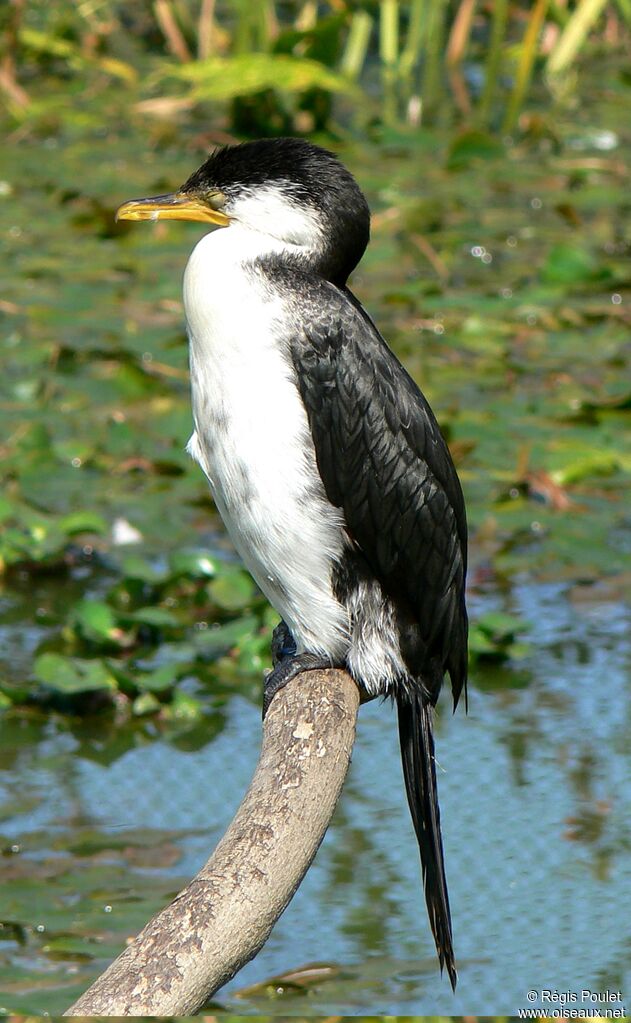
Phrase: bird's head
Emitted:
{"points": [[289, 189]]}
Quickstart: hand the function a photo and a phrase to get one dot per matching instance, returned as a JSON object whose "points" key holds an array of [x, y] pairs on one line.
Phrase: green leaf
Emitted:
{"points": [[501, 625], [232, 591], [146, 703], [160, 617], [184, 707], [44, 42], [595, 463], [7, 509], [82, 522], [193, 563], [72, 675], [568, 264], [94, 620], [67, 946], [253, 654], [219, 78], [517, 651], [14, 692], [479, 642], [136, 567], [221, 638], [160, 680]]}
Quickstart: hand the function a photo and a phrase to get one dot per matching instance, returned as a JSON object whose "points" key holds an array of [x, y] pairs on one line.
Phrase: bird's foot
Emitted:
{"points": [[286, 669], [283, 644]]}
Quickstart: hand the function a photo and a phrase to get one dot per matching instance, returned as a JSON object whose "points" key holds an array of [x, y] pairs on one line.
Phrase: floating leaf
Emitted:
{"points": [[568, 264], [253, 654], [159, 617], [184, 707], [194, 563], [595, 463], [94, 620], [492, 637], [233, 590], [146, 703], [161, 680], [71, 948], [72, 675], [83, 521], [221, 638], [501, 625], [136, 567]]}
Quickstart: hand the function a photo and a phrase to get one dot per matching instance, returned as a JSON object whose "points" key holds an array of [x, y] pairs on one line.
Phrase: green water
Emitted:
{"points": [[500, 273]]}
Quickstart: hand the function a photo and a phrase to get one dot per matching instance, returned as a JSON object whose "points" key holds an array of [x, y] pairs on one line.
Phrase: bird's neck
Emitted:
{"points": [[223, 263], [224, 284], [236, 247]]}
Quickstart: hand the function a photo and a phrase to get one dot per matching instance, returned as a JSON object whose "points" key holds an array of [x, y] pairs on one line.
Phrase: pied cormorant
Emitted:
{"points": [[324, 459]]}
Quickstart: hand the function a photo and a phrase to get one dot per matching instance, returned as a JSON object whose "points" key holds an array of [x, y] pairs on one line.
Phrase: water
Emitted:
{"points": [[535, 787]]}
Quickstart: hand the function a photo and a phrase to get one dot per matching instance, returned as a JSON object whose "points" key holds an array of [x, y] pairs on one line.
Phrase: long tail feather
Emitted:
{"points": [[419, 770]]}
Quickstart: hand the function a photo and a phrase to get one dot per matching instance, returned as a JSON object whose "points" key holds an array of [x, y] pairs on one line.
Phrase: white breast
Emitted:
{"points": [[252, 438]]}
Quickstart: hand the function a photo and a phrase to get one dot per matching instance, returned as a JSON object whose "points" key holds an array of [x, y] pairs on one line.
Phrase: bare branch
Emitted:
{"points": [[223, 917]]}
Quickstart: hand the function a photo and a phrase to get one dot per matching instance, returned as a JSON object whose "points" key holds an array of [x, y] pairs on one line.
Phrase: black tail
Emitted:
{"points": [[419, 771]]}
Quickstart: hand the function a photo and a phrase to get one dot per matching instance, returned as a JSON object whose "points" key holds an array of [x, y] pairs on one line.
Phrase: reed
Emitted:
{"points": [[425, 51]]}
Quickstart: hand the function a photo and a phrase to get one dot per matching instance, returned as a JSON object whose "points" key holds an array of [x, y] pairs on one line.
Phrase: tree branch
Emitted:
{"points": [[225, 914]]}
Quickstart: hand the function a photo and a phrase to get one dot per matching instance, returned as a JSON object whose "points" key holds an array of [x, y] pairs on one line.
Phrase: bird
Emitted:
{"points": [[324, 458]]}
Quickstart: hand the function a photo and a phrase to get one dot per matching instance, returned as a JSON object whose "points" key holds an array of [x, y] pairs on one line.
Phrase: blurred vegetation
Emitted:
{"points": [[492, 147], [278, 66]]}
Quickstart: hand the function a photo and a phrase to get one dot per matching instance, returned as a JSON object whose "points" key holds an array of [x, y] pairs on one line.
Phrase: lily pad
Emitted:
{"points": [[72, 676]]}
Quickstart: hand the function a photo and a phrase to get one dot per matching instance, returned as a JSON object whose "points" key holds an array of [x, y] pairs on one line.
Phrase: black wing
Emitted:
{"points": [[384, 461]]}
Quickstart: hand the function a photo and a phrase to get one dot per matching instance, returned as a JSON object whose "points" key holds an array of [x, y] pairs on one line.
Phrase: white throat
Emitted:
{"points": [[252, 436], [218, 281]]}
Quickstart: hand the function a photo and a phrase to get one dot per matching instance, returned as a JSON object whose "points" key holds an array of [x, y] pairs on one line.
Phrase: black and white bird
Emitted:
{"points": [[324, 459]]}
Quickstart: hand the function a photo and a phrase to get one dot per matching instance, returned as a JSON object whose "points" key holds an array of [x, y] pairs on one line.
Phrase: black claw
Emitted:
{"points": [[286, 669]]}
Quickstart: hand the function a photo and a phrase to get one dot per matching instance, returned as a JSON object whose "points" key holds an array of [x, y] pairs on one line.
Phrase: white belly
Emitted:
{"points": [[253, 442]]}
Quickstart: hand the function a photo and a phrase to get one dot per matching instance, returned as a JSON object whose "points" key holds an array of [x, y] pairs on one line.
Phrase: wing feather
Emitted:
{"points": [[384, 461]]}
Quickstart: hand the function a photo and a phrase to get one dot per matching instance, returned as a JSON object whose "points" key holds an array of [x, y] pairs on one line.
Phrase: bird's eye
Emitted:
{"points": [[216, 200]]}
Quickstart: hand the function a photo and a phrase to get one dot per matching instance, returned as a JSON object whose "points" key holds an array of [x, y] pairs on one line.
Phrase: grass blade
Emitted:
{"points": [[354, 56], [574, 34], [498, 33], [526, 62]]}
